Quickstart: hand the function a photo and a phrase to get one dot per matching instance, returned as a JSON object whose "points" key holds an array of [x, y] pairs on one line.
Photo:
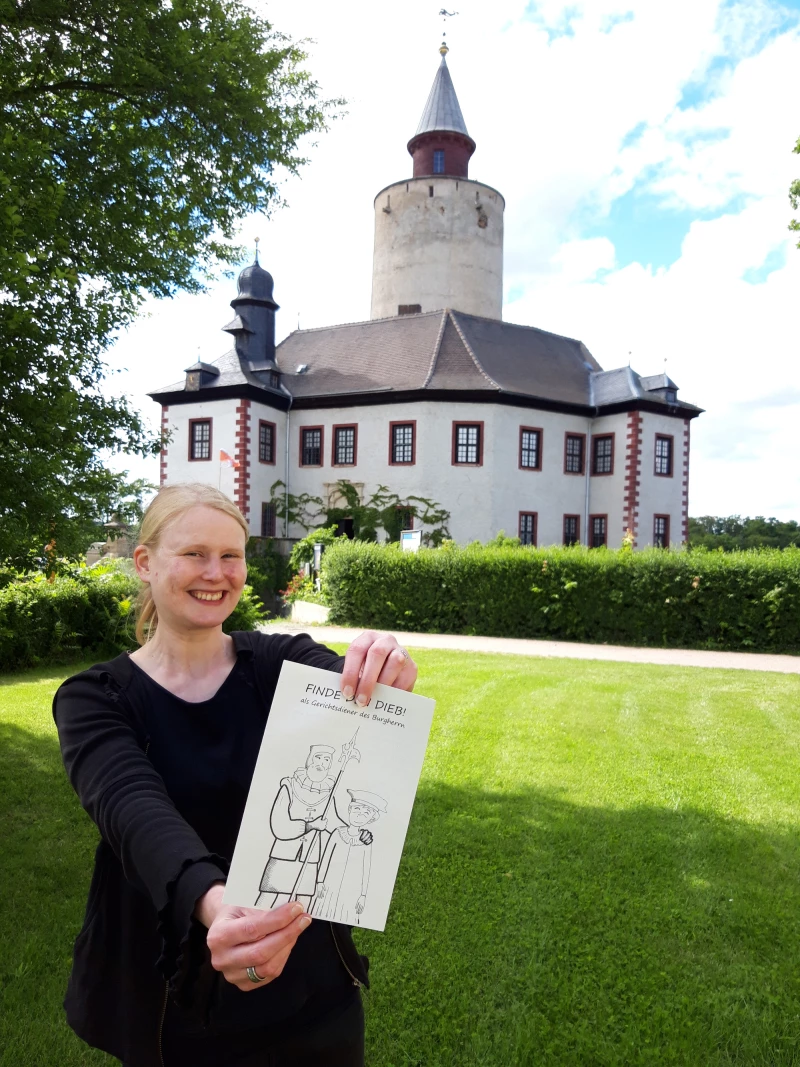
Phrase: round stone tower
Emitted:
{"points": [[439, 235]]}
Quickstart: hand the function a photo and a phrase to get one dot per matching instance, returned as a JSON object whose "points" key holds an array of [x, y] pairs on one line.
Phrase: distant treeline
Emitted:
{"points": [[734, 532]]}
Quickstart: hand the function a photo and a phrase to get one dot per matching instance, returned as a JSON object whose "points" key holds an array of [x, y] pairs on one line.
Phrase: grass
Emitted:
{"points": [[602, 869]]}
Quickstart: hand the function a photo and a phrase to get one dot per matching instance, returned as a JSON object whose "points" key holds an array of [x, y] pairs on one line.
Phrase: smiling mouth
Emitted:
{"points": [[198, 594]]}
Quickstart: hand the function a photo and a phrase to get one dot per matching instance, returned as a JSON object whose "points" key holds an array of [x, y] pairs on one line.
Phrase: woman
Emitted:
{"points": [[160, 746]]}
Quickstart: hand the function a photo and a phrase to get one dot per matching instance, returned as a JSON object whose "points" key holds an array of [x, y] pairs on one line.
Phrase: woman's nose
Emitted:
{"points": [[213, 571]]}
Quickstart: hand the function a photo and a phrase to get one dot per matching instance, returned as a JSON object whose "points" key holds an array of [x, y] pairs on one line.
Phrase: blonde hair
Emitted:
{"points": [[165, 507]]}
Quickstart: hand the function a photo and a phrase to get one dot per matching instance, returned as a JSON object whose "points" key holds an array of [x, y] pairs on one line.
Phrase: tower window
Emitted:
{"points": [[664, 455], [199, 439], [438, 161], [430, 190]]}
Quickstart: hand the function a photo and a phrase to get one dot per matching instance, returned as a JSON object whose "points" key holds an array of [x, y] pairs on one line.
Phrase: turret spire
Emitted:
{"points": [[441, 144]]}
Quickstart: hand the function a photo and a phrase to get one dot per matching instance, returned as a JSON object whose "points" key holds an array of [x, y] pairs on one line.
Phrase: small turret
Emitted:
{"points": [[253, 327]]}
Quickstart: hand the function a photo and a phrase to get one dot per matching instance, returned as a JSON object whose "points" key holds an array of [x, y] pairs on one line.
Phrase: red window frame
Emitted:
{"points": [[344, 426], [582, 471], [456, 426], [602, 437], [665, 437], [274, 428], [321, 463], [201, 459], [531, 429], [402, 462], [273, 519], [666, 531], [532, 515], [577, 519], [591, 531]]}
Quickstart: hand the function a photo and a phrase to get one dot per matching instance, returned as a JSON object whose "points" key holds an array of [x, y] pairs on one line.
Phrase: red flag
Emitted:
{"points": [[226, 460]]}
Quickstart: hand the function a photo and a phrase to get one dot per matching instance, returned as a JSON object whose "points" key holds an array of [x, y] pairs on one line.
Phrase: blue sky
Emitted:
{"points": [[644, 152]]}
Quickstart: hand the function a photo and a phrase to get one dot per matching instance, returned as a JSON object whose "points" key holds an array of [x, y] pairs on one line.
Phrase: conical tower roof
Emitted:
{"points": [[442, 110]]}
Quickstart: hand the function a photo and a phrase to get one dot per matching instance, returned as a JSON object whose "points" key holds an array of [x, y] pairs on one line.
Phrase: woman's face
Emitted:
{"points": [[197, 571]]}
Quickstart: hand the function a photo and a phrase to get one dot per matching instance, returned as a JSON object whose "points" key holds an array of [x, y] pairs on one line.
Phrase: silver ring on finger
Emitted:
{"points": [[405, 653], [254, 976]]}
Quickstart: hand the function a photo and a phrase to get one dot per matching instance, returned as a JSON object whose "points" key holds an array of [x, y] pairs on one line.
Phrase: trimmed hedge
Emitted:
{"points": [[80, 616], [735, 600]]}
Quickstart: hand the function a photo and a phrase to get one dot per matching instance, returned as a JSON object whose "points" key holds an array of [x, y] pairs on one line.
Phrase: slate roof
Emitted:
{"points": [[442, 110], [440, 352]]}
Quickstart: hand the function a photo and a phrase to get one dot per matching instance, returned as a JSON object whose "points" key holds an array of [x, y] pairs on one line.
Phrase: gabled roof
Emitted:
{"points": [[442, 110]]}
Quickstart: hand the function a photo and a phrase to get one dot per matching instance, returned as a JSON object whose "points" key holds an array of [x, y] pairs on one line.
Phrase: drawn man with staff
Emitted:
{"points": [[303, 810]]}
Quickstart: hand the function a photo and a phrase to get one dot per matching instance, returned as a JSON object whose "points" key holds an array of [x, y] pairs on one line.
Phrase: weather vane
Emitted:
{"points": [[257, 240], [443, 49]]}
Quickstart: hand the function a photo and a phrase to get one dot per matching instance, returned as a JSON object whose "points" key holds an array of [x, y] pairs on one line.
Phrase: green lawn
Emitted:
{"points": [[603, 868]]}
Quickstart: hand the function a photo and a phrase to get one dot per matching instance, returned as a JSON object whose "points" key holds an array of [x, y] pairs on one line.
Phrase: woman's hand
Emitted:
{"points": [[239, 938], [372, 658]]}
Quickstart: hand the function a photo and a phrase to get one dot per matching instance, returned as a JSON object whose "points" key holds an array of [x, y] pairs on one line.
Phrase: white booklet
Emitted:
{"points": [[330, 800]]}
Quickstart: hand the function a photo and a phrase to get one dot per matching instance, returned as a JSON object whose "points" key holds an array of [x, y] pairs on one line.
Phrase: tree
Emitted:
{"points": [[135, 134], [794, 196], [734, 532]]}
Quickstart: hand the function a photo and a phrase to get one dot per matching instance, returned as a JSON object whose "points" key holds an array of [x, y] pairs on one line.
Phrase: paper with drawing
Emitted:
{"points": [[330, 800]]}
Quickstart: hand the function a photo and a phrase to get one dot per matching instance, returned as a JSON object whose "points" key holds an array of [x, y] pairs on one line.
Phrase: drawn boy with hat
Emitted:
{"points": [[347, 861]]}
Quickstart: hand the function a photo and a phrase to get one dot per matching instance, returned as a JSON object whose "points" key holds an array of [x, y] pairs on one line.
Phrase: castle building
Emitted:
{"points": [[507, 427]]}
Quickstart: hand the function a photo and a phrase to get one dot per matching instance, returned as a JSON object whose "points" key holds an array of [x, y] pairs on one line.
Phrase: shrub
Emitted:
{"points": [[86, 613], [740, 600]]}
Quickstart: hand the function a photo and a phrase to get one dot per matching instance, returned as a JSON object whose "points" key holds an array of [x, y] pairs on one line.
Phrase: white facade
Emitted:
{"points": [[482, 498], [438, 244]]}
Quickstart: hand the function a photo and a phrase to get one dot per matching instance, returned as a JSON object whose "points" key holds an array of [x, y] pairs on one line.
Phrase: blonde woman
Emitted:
{"points": [[160, 746]]}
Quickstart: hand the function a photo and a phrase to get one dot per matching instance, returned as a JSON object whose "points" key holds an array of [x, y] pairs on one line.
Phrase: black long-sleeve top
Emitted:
{"points": [[165, 781]]}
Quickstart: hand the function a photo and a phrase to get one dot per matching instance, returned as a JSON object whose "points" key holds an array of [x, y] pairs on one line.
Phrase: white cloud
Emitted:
{"points": [[551, 97]]}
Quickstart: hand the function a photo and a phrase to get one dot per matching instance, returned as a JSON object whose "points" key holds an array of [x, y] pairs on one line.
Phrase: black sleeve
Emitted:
{"points": [[128, 802], [272, 649]]}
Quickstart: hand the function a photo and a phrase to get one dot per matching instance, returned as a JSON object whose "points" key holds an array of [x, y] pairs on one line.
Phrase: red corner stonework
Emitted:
{"points": [[633, 474], [242, 475], [163, 453], [685, 483]]}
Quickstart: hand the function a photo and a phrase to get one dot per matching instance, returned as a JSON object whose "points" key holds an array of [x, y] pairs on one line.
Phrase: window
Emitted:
{"points": [[405, 517], [409, 309], [199, 438], [527, 527], [574, 444], [661, 531], [266, 443], [267, 520], [467, 443], [430, 190], [530, 448], [597, 524], [310, 446], [344, 446], [438, 161], [664, 455], [603, 454], [402, 443], [572, 529]]}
